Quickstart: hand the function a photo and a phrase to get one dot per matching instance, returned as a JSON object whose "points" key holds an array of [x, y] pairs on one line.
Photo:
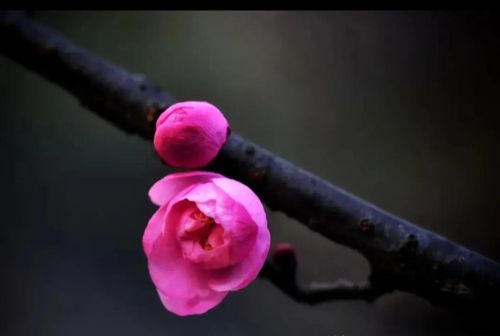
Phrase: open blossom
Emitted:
{"points": [[208, 237], [190, 134]]}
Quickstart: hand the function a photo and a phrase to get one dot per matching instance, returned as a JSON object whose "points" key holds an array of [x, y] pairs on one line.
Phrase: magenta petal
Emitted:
{"points": [[171, 185], [182, 286], [240, 229], [153, 230], [233, 202], [192, 306], [171, 273], [169, 270], [242, 274], [244, 196], [157, 223]]}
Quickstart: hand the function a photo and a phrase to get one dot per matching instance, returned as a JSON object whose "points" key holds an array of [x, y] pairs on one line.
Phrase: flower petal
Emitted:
{"points": [[153, 230], [241, 275], [192, 306], [171, 185], [240, 229], [170, 272], [182, 286], [244, 196]]}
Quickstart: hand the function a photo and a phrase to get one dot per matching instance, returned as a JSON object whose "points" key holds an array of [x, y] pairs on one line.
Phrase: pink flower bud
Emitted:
{"points": [[209, 237], [284, 258], [190, 134]]}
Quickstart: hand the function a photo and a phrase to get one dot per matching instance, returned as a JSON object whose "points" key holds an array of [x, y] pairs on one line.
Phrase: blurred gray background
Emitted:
{"points": [[400, 108]]}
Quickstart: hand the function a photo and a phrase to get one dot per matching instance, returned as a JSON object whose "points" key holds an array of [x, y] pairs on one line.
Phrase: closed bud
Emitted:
{"points": [[190, 134]]}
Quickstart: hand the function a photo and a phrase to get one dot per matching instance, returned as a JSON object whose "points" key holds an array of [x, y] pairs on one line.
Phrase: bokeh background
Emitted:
{"points": [[400, 108]]}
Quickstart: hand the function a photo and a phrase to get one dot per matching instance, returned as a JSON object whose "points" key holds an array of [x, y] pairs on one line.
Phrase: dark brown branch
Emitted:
{"points": [[281, 270], [316, 293], [403, 256]]}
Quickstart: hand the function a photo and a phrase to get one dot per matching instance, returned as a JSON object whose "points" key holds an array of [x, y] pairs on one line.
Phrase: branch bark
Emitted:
{"points": [[281, 270], [402, 255]]}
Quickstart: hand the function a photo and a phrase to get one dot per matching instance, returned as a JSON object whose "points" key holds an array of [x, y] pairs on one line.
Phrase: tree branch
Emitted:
{"points": [[402, 256], [281, 270]]}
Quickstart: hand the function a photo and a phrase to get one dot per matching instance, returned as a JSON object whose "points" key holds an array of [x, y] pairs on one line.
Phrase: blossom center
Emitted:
{"points": [[200, 229], [202, 240]]}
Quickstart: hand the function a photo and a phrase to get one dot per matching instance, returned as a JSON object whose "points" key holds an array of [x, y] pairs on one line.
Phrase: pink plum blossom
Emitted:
{"points": [[190, 134], [208, 237]]}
